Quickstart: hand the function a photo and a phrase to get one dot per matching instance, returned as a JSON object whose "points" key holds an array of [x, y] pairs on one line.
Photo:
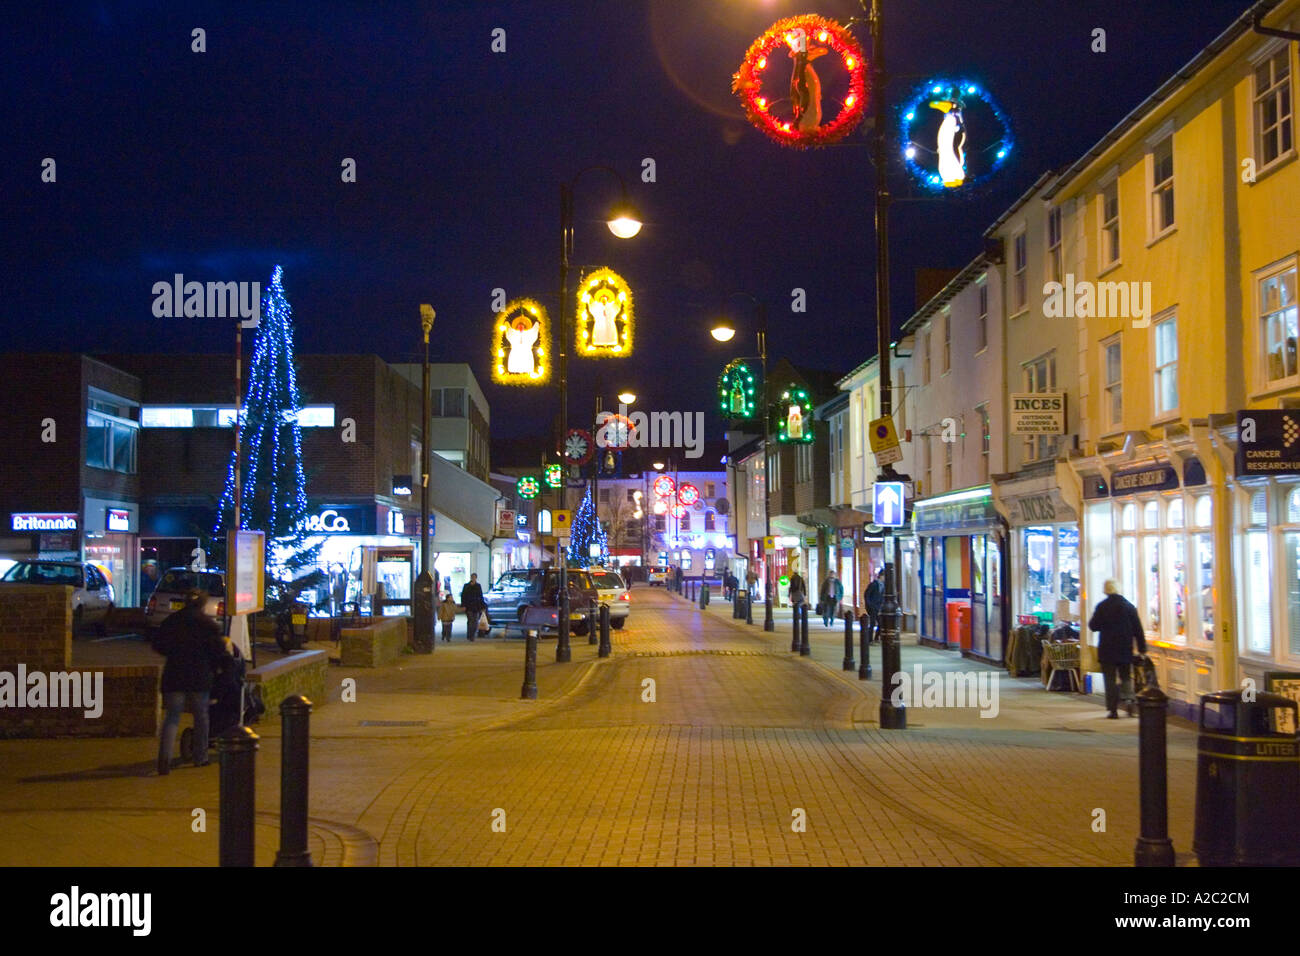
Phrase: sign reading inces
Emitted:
{"points": [[1038, 413]]}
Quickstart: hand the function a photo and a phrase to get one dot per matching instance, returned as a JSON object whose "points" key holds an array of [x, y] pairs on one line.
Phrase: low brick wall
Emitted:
{"points": [[302, 673], [376, 645]]}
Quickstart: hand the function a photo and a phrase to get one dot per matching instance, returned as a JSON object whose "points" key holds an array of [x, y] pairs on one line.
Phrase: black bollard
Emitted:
{"points": [[794, 625], [237, 751], [529, 691], [593, 619], [735, 606], [848, 641], [804, 649], [563, 653], [864, 669], [295, 719], [1153, 848], [705, 596], [749, 608], [604, 631]]}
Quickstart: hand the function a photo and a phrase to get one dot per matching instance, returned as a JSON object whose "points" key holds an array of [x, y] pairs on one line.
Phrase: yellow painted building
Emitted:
{"points": [[1181, 231]]}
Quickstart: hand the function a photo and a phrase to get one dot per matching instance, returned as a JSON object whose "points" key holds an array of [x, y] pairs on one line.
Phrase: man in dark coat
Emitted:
{"points": [[196, 655], [471, 599], [1119, 625], [873, 598]]}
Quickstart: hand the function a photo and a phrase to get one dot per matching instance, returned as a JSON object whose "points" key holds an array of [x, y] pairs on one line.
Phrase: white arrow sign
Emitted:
{"points": [[888, 497]]}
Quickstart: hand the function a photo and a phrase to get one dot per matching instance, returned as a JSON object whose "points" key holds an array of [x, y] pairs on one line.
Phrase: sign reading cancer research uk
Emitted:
{"points": [[1268, 442], [884, 441], [887, 504], [247, 570], [1038, 413], [506, 523]]}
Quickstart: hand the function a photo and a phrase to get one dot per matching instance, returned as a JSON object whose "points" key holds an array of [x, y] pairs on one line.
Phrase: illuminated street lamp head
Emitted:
{"points": [[624, 221], [659, 466], [723, 332], [426, 320], [627, 398]]}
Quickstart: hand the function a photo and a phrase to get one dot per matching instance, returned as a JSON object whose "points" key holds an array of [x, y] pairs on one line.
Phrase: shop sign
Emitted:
{"points": [[58, 541], [43, 521], [506, 523], [118, 519], [1152, 478], [346, 519], [846, 545], [402, 485], [1047, 507], [1268, 443], [955, 516], [1038, 413]]}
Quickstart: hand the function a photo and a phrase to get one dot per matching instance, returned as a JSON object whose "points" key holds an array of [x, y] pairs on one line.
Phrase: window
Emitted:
{"points": [[110, 436], [900, 407], [1112, 379], [661, 523], [1202, 584], [710, 521], [684, 523], [925, 462], [947, 465], [1279, 324], [1166, 366], [923, 353], [1257, 579], [1110, 224], [215, 416], [947, 340], [1055, 260], [983, 412], [710, 490], [1162, 186], [1273, 107], [631, 495], [1019, 273], [982, 325], [1040, 376], [453, 403], [604, 496]]}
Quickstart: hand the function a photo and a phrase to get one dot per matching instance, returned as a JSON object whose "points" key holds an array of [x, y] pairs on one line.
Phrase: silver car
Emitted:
{"points": [[613, 591], [92, 595], [169, 595]]}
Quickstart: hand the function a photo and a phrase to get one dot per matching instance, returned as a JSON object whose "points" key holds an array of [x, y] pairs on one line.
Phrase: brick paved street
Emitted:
{"points": [[740, 736]]}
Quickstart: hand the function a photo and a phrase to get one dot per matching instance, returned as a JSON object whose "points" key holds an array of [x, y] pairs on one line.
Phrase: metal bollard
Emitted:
{"points": [[563, 653], [295, 720], [1153, 847], [593, 620], [749, 608], [735, 607], [794, 624], [848, 641], [237, 751], [705, 595], [864, 669], [604, 631], [529, 691], [804, 649]]}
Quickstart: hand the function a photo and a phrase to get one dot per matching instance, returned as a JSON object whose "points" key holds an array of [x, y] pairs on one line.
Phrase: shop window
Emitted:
{"points": [[1067, 561], [1203, 552], [1128, 568], [1204, 511], [1293, 507], [686, 560], [995, 572], [1129, 517], [1292, 565], [1175, 514], [1258, 508], [1151, 515], [1259, 637], [1040, 573], [1151, 576], [977, 566], [1176, 558]]}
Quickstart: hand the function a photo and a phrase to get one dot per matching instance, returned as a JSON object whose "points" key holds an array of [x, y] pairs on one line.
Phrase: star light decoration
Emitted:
{"points": [[736, 390], [794, 416], [578, 446], [818, 33], [521, 344], [954, 135], [604, 323], [528, 487]]}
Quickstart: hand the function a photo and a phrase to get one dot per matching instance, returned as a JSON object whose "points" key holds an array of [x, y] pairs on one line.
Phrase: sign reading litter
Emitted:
{"points": [[1268, 442]]}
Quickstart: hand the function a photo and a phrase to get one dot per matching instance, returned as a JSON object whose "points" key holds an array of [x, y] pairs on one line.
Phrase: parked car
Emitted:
{"points": [[516, 591], [545, 617], [613, 591], [658, 575], [169, 595], [92, 595]]}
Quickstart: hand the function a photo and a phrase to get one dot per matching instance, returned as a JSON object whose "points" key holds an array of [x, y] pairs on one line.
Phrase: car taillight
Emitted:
{"points": [[153, 604], [625, 596], [221, 609]]}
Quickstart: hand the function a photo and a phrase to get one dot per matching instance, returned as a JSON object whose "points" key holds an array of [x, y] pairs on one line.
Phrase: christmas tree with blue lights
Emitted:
{"points": [[585, 532], [274, 489]]}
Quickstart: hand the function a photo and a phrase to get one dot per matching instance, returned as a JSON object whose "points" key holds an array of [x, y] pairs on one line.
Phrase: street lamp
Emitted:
{"points": [[724, 331], [624, 222], [627, 398], [423, 609]]}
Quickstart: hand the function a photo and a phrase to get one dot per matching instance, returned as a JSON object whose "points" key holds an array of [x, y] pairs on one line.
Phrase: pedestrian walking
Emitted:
{"points": [[798, 592], [447, 614], [1119, 625], [196, 655], [873, 598], [832, 592], [471, 599], [751, 583]]}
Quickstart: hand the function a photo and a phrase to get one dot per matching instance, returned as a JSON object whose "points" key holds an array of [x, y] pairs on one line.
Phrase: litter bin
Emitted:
{"points": [[1247, 782], [954, 623], [963, 626]]}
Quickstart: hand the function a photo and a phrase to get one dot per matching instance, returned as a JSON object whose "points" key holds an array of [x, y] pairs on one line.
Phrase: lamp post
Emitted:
{"points": [[724, 333], [623, 223], [423, 610]]}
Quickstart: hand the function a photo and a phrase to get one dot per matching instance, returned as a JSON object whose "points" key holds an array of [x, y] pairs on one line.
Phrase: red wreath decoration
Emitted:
{"points": [[826, 35]]}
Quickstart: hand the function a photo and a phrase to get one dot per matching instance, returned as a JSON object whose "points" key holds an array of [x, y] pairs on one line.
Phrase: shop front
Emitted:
{"points": [[43, 535], [1044, 547], [110, 538], [961, 542], [1150, 527]]}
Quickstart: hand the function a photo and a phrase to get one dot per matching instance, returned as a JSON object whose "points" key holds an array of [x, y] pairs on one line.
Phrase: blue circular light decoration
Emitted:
{"points": [[954, 135]]}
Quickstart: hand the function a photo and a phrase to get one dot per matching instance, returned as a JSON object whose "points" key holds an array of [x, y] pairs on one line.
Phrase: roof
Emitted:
{"points": [[1015, 206], [947, 293], [1242, 25]]}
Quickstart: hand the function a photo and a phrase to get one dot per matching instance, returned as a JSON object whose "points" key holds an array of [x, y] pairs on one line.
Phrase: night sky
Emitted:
{"points": [[219, 165]]}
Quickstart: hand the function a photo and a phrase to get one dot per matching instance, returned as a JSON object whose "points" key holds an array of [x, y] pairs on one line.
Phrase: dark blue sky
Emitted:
{"points": [[218, 165]]}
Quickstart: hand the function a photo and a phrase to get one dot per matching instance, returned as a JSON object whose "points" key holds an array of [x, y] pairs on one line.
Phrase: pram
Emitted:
{"points": [[234, 700]]}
